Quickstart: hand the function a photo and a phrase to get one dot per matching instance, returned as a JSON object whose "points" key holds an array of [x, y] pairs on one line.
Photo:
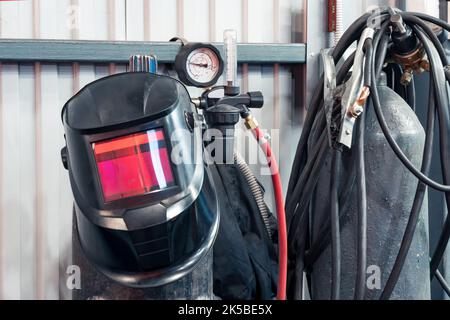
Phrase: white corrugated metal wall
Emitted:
{"points": [[35, 196]]}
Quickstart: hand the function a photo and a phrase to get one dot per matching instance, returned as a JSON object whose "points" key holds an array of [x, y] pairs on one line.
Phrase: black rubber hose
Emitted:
{"points": [[380, 44], [292, 201], [361, 253], [299, 267], [443, 283], [350, 35], [324, 237], [368, 50], [417, 204], [308, 188], [314, 155], [423, 178], [401, 156], [411, 94], [445, 236], [298, 238], [381, 52], [414, 21], [299, 187], [440, 23], [441, 97], [335, 231], [441, 247], [390, 77]]}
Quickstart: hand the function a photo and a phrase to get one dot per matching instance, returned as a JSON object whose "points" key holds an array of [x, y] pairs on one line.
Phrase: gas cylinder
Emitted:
{"points": [[390, 193]]}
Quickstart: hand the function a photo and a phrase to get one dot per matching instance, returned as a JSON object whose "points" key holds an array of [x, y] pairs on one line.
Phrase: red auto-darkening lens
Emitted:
{"points": [[133, 165]]}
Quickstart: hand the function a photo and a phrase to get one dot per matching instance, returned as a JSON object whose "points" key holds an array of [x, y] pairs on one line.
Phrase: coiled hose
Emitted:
{"points": [[256, 190]]}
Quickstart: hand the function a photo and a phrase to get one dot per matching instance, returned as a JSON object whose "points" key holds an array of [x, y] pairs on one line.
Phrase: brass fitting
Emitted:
{"points": [[415, 62], [251, 122], [407, 77]]}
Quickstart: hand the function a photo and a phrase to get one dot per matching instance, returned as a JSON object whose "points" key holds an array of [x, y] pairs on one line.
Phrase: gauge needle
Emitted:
{"points": [[204, 65]]}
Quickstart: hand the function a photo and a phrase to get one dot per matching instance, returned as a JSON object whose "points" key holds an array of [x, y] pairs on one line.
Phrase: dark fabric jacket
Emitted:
{"points": [[245, 258]]}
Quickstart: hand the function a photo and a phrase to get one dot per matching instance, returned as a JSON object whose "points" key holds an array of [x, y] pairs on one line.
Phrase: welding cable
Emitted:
{"points": [[324, 235], [441, 92], [443, 283], [445, 235], [341, 76], [411, 94], [406, 235], [402, 157], [309, 179], [441, 97], [380, 45], [279, 201], [313, 155], [441, 247], [390, 77], [304, 202], [299, 218], [298, 226], [352, 34], [360, 282], [423, 178], [437, 82], [417, 203], [445, 162], [426, 36], [316, 153], [415, 22], [361, 244], [298, 240], [441, 23], [437, 43], [301, 210], [292, 201], [335, 232]]}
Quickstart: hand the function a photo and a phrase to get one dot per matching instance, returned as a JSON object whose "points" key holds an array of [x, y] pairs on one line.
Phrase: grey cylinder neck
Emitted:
{"points": [[382, 81]]}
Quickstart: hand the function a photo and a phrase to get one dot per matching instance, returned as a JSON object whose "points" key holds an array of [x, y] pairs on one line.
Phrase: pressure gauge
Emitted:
{"points": [[199, 65]]}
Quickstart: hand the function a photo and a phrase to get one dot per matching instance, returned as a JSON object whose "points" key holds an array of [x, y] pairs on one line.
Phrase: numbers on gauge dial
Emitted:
{"points": [[202, 65]]}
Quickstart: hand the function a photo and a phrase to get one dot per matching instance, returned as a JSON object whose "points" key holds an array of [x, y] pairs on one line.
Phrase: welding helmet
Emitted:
{"points": [[145, 204]]}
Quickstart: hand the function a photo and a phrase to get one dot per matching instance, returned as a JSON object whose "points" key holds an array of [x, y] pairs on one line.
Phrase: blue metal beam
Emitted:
{"points": [[21, 50]]}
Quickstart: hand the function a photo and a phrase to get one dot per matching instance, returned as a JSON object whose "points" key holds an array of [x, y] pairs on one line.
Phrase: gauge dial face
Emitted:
{"points": [[202, 65]]}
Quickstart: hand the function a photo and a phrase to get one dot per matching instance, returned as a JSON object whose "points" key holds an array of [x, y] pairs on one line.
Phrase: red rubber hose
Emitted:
{"points": [[281, 215]]}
